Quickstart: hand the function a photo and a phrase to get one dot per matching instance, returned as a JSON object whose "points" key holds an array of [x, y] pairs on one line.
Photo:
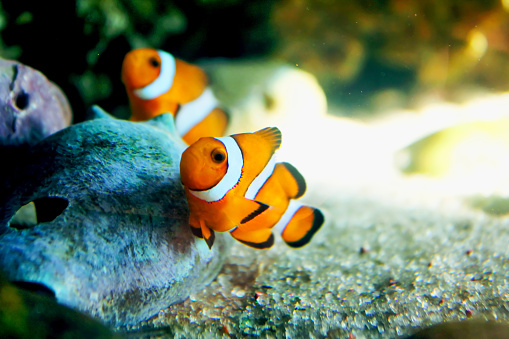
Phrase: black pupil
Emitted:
{"points": [[218, 157], [154, 62]]}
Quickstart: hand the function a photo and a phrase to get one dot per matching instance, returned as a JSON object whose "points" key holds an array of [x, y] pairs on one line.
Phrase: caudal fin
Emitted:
{"points": [[299, 224]]}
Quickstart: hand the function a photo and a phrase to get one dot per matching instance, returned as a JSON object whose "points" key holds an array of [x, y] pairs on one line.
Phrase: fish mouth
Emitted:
{"points": [[35, 287], [200, 189]]}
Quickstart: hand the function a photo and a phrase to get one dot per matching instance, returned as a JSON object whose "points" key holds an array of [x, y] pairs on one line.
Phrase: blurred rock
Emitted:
{"points": [[31, 106], [112, 237], [474, 148], [493, 204], [26, 314]]}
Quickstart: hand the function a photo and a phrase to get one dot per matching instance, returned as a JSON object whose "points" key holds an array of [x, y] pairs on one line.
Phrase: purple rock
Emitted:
{"points": [[31, 106]]}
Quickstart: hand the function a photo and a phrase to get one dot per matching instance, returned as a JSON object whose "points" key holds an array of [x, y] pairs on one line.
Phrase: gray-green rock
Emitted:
{"points": [[112, 236]]}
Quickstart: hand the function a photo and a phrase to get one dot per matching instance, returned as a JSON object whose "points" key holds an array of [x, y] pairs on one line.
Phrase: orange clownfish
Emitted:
{"points": [[156, 83], [233, 184]]}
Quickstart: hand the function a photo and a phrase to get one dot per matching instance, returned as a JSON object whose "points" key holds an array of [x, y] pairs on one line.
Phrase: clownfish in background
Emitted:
{"points": [[233, 184], [157, 83]]}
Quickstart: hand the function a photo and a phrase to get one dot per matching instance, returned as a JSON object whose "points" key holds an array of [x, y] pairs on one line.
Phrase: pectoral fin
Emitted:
{"points": [[242, 211], [200, 229], [250, 215], [261, 208], [208, 234]]}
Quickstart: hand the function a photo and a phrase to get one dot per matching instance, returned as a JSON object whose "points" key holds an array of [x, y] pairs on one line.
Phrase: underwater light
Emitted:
{"points": [[334, 153], [477, 44], [464, 147], [505, 4]]}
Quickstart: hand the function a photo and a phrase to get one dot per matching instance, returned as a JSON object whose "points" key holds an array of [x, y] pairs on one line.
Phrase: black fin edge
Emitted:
{"points": [[318, 220], [259, 246], [197, 232], [263, 207], [301, 183], [210, 240]]}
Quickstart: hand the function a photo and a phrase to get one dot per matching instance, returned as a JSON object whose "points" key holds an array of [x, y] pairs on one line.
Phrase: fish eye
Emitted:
{"points": [[218, 155], [154, 62]]}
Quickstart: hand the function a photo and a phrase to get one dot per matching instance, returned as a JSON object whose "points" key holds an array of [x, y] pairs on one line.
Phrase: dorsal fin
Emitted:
{"points": [[271, 135]]}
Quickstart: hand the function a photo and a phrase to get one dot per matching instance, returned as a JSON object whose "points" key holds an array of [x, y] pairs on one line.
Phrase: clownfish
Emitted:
{"points": [[156, 82], [233, 184]]}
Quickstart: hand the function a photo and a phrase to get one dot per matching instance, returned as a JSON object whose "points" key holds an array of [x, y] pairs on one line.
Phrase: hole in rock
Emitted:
{"points": [[40, 210], [48, 208], [22, 100], [35, 287]]}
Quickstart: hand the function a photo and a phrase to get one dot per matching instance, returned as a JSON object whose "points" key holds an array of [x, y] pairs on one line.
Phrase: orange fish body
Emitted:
{"points": [[233, 184], [157, 83]]}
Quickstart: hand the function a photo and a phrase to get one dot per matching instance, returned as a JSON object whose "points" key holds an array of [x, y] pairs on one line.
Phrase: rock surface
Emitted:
{"points": [[112, 237]]}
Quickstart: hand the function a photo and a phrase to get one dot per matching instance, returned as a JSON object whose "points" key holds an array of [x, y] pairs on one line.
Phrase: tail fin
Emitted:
{"points": [[299, 224]]}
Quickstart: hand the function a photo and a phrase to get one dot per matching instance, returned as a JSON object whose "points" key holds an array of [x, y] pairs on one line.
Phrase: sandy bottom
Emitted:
{"points": [[397, 253]]}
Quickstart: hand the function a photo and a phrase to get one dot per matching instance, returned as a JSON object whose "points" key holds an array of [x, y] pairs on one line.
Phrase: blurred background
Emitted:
{"points": [[430, 64], [367, 55]]}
